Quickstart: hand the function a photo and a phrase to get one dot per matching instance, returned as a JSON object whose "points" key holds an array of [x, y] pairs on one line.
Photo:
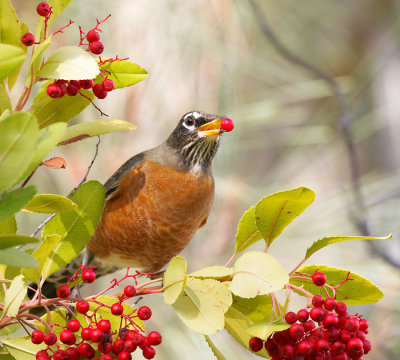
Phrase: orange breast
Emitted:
{"points": [[152, 216]]}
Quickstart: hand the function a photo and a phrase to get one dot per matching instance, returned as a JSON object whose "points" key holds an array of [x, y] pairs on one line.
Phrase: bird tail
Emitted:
{"points": [[60, 277]]}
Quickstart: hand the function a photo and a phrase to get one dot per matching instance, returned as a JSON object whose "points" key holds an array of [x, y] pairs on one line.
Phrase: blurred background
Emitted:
{"points": [[213, 56]]}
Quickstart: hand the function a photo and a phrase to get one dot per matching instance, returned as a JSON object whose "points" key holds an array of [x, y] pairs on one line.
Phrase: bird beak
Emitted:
{"points": [[212, 128]]}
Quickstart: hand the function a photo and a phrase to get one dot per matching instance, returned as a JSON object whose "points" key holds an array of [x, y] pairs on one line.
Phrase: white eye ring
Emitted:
{"points": [[189, 123]]}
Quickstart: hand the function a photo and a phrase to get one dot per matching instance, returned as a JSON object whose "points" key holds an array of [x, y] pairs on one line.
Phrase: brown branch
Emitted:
{"points": [[345, 118]]}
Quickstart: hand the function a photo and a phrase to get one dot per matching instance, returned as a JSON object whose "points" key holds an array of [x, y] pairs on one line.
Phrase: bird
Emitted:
{"points": [[155, 202]]}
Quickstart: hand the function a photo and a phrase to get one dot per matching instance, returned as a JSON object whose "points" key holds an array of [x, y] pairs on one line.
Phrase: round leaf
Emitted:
{"points": [[256, 309], [21, 348], [212, 272], [264, 329], [14, 296], [355, 292], [175, 279], [257, 273], [11, 58], [50, 203], [247, 232], [70, 63]]}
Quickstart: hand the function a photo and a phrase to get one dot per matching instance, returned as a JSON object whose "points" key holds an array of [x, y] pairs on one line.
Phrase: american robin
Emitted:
{"points": [[156, 201]]}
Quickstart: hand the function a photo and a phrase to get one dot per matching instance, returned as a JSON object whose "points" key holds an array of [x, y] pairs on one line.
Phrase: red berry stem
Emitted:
{"points": [[83, 34], [60, 30]]}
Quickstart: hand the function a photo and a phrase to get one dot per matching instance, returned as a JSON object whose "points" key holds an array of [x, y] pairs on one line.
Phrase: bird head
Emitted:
{"points": [[196, 138]]}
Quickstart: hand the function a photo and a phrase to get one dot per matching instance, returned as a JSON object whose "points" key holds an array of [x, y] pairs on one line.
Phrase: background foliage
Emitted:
{"points": [[211, 55]]}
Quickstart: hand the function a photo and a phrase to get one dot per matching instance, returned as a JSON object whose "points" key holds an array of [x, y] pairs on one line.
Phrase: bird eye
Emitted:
{"points": [[189, 121]]}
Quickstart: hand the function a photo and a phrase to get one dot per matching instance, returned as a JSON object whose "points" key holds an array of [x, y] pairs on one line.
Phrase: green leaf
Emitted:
{"points": [[57, 317], [256, 309], [18, 138], [15, 200], [57, 6], [18, 258], [212, 272], [5, 103], [276, 211], [265, 328], [48, 110], [11, 240], [9, 24], [36, 62], [44, 255], [50, 203], [257, 273], [175, 279], [14, 296], [21, 348], [12, 79], [356, 292], [96, 127], [48, 139], [8, 226], [319, 244], [123, 73], [11, 58], [236, 323], [9, 329], [203, 304], [247, 232], [217, 353], [70, 63], [77, 226]]}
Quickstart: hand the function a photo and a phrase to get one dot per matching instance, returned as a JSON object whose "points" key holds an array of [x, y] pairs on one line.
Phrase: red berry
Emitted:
{"points": [[37, 337], [88, 276], [28, 39], [360, 334], [354, 347], [108, 85], [63, 291], [50, 339], [330, 320], [149, 353], [340, 307], [296, 331], [117, 309], [99, 91], [85, 333], [71, 353], [227, 125], [129, 345], [96, 335], [74, 325], [317, 300], [43, 9], [322, 345], [272, 347], [304, 347], [341, 356], [366, 346], [302, 315], [106, 357], [290, 317], [144, 313], [345, 336], [287, 352], [104, 347], [309, 325], [351, 325], [318, 278], [59, 355], [86, 84], [82, 306], [72, 90], [332, 334], [96, 47], [92, 36], [85, 350], [104, 326], [118, 346], [42, 355], [317, 314], [129, 291], [337, 347], [67, 337], [54, 91], [363, 324], [255, 344], [155, 338], [329, 304], [137, 338], [124, 355]]}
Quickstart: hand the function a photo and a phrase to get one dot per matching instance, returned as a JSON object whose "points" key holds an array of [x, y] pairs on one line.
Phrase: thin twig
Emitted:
{"points": [[345, 118]]}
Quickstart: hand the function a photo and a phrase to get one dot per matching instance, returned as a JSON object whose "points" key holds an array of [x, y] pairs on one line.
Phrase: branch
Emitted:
{"points": [[345, 118]]}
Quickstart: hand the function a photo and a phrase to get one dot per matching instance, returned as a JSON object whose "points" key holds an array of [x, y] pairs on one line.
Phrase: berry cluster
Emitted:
{"points": [[92, 335], [322, 331]]}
